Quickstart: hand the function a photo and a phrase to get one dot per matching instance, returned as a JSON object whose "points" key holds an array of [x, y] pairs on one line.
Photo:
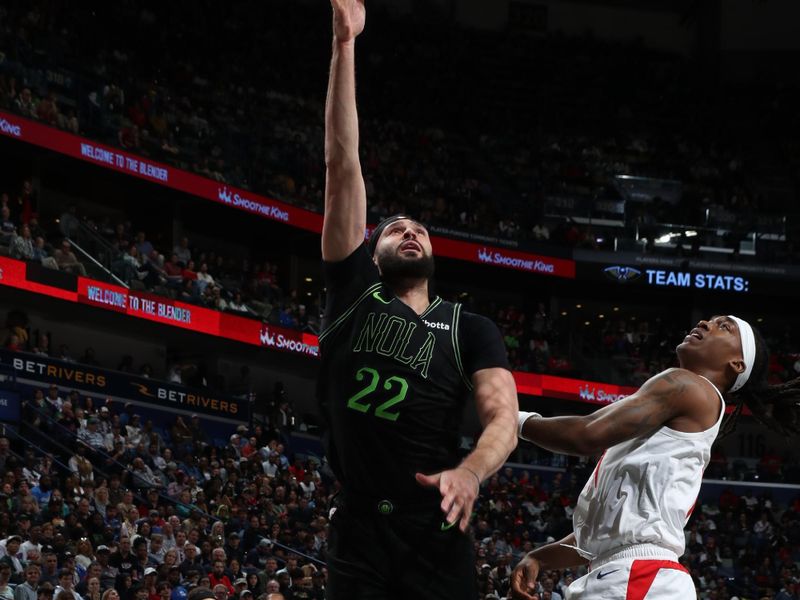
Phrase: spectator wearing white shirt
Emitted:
{"points": [[32, 543], [55, 401], [91, 434], [10, 550], [204, 278]]}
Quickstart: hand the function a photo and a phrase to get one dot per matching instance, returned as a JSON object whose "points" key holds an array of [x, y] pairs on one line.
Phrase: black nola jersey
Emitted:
{"points": [[392, 383]]}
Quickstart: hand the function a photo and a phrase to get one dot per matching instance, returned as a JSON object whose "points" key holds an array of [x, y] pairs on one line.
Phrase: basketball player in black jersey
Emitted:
{"points": [[397, 368]]}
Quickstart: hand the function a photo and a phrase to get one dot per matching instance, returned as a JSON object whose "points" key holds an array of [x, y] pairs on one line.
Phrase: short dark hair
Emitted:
{"points": [[200, 593], [372, 243]]}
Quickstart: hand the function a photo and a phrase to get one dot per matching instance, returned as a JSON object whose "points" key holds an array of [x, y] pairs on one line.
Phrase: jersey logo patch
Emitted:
{"points": [[377, 296], [446, 525], [437, 325], [600, 575]]}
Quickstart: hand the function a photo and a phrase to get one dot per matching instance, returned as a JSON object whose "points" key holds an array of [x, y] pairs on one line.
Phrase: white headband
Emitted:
{"points": [[748, 352]]}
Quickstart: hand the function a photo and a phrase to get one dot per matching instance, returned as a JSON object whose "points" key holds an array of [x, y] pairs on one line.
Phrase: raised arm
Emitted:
{"points": [[676, 397], [345, 194]]}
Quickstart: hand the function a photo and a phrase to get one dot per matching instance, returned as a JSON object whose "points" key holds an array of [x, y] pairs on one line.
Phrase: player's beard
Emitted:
{"points": [[396, 269]]}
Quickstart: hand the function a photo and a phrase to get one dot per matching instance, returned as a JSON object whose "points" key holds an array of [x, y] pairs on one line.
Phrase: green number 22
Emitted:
{"points": [[357, 401]]}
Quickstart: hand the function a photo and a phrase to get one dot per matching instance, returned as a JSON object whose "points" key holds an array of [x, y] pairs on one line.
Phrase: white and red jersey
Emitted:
{"points": [[643, 491]]}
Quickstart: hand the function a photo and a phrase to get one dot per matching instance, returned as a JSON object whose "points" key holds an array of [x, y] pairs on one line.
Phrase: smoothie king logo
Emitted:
{"points": [[591, 394], [498, 258], [270, 339], [268, 210], [10, 128]]}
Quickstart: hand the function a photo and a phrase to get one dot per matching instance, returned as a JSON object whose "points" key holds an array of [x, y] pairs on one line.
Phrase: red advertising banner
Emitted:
{"points": [[137, 166], [131, 164], [13, 273], [504, 257], [534, 384], [578, 390]]}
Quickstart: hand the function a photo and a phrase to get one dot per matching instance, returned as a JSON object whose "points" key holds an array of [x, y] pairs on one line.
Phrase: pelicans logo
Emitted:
{"points": [[622, 274]]}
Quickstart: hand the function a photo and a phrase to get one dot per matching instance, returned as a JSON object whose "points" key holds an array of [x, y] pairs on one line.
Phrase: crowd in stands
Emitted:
{"points": [[206, 278], [94, 500], [95, 504], [537, 340], [242, 117], [22, 236], [184, 272], [259, 126]]}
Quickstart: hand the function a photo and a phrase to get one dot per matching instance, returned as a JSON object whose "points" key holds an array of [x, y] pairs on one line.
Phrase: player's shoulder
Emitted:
{"points": [[679, 383], [471, 321], [677, 377]]}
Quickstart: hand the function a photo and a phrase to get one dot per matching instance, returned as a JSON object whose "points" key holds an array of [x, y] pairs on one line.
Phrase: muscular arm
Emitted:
{"points": [[345, 194], [496, 399], [675, 393], [496, 402]]}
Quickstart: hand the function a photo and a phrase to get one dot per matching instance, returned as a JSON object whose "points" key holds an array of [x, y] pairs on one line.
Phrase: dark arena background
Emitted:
{"points": [[597, 176]]}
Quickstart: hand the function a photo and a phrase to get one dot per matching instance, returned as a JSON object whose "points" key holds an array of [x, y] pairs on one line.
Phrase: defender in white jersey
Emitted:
{"points": [[655, 444]]}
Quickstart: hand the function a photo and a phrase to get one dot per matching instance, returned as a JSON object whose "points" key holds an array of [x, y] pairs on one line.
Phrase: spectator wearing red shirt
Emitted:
{"points": [[188, 274], [174, 271], [297, 470], [218, 577], [250, 448], [47, 110]]}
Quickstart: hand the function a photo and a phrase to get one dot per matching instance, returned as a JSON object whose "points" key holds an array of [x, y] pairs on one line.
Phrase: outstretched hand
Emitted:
{"points": [[459, 487], [349, 17], [523, 579]]}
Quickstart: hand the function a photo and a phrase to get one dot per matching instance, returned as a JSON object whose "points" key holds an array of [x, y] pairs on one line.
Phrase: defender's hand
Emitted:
{"points": [[349, 17], [523, 579], [459, 487]]}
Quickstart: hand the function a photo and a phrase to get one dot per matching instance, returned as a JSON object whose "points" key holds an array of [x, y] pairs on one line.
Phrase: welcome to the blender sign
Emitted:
{"points": [[497, 257]]}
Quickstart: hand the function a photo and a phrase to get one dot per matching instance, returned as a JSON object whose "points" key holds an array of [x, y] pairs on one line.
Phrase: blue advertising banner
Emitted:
{"points": [[9, 406], [34, 368]]}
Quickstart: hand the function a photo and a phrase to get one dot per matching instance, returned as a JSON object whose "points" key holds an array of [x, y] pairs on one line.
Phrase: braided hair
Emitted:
{"points": [[777, 407]]}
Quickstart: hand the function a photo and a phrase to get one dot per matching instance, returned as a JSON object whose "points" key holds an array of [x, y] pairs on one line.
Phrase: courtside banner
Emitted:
{"points": [[131, 164], [34, 368]]}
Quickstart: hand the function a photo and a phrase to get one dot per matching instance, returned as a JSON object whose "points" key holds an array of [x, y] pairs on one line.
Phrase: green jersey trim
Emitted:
{"points": [[343, 317], [436, 302], [456, 348]]}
